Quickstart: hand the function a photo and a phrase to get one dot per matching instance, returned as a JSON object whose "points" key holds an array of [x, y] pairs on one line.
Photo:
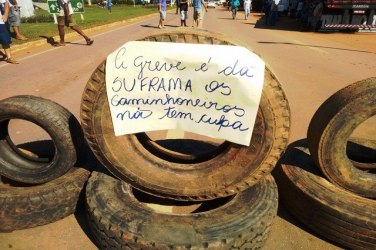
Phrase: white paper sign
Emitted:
{"points": [[212, 90]]}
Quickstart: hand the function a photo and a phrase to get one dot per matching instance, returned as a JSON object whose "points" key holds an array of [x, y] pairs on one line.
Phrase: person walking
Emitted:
{"points": [[183, 12], [247, 8], [65, 18], [109, 5], [162, 7], [234, 7], [14, 19], [197, 12], [4, 34]]}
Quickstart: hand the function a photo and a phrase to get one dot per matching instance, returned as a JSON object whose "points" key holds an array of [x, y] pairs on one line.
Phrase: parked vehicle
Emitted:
{"points": [[210, 4], [352, 15]]}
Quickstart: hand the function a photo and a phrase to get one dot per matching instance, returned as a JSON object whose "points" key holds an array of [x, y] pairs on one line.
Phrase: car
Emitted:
{"points": [[210, 4]]}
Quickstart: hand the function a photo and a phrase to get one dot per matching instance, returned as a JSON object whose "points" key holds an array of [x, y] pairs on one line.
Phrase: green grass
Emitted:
{"points": [[93, 17]]}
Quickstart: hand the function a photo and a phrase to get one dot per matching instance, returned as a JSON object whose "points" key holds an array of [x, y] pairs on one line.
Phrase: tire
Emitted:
{"points": [[29, 206], [334, 213], [227, 170], [63, 128], [120, 221], [362, 153], [329, 132]]}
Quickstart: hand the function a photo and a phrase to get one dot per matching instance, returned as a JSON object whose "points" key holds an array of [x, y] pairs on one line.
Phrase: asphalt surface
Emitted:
{"points": [[310, 66]]}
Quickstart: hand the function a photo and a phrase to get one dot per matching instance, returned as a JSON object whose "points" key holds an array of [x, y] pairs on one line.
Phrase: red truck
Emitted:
{"points": [[351, 15]]}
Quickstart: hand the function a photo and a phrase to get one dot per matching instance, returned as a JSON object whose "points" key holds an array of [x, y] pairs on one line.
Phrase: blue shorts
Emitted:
{"points": [[162, 14], [4, 35]]}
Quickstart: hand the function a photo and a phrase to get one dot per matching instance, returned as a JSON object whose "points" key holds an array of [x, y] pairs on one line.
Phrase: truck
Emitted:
{"points": [[346, 15]]}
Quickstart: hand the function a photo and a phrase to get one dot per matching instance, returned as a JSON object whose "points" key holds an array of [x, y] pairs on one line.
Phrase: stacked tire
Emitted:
{"points": [[231, 185], [40, 181], [328, 181]]}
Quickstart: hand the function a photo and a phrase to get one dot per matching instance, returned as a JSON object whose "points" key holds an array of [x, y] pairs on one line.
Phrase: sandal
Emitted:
{"points": [[89, 42], [12, 61]]}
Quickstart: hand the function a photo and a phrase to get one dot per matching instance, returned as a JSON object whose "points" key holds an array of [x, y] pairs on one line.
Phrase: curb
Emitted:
{"points": [[42, 41]]}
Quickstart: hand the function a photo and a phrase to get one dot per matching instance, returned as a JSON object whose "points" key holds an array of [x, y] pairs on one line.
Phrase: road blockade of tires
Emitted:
{"points": [[34, 190], [119, 220], [230, 168], [35, 205], [337, 214], [63, 128], [329, 132]]}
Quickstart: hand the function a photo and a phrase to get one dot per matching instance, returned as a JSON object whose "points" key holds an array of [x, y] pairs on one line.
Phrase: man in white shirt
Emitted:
{"points": [[65, 18], [247, 8]]}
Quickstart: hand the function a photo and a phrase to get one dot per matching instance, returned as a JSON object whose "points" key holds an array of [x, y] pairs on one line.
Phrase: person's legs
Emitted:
{"points": [[15, 21], [162, 16], [61, 34], [199, 19], [60, 28], [77, 29], [8, 54], [18, 34], [185, 18]]}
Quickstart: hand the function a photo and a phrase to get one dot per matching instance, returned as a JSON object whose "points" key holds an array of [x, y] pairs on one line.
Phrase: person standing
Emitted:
{"points": [[65, 18], [177, 6], [162, 7], [247, 8], [4, 34], [197, 12], [183, 12], [14, 19]]}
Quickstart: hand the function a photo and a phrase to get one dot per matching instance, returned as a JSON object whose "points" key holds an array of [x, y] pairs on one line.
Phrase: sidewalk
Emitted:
{"points": [[43, 41]]}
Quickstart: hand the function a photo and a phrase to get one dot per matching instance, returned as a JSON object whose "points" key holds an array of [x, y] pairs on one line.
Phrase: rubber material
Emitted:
{"points": [[330, 129], [336, 214], [31, 206], [63, 128], [227, 170], [120, 221]]}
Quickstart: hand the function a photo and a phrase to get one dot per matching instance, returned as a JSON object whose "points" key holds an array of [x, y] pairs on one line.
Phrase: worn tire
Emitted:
{"points": [[334, 213], [120, 221], [30, 206], [227, 170], [362, 153], [329, 132], [63, 128]]}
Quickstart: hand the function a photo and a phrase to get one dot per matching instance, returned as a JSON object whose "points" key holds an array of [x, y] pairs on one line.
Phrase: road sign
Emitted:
{"points": [[53, 7], [77, 5]]}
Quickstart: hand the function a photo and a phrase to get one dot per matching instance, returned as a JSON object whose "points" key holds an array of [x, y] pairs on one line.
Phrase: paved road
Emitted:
{"points": [[310, 66]]}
